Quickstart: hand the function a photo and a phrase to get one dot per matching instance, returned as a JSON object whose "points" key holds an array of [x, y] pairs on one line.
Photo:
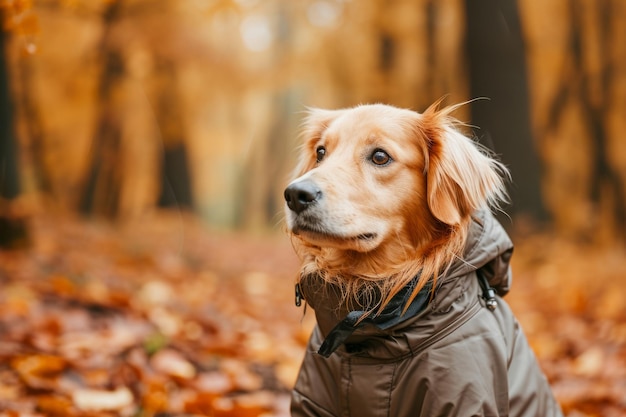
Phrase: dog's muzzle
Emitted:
{"points": [[301, 195]]}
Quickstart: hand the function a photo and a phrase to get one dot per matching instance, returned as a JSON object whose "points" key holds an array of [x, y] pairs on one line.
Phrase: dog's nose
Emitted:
{"points": [[302, 194]]}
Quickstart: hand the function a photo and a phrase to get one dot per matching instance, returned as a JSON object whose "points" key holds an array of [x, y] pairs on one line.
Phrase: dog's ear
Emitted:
{"points": [[460, 176], [313, 126]]}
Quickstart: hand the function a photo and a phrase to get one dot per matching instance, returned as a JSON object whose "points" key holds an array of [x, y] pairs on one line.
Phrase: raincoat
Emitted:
{"points": [[447, 356]]}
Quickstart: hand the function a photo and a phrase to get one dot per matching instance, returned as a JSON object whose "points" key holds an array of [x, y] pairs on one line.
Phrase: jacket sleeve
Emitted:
{"points": [[302, 406], [318, 383]]}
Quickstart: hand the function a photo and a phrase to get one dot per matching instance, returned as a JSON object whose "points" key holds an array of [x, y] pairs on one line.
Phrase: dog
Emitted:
{"points": [[405, 266]]}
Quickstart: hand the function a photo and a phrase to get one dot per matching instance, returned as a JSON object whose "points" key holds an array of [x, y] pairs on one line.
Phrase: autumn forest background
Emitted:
{"points": [[145, 144]]}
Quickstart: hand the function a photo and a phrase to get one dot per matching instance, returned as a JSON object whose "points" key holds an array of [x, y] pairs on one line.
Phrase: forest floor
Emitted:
{"points": [[164, 317]]}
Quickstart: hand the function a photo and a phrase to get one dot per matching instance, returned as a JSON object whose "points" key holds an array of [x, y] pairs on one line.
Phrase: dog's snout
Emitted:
{"points": [[300, 195]]}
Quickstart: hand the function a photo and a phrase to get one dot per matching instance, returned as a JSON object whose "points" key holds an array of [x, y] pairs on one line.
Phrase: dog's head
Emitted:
{"points": [[379, 191]]}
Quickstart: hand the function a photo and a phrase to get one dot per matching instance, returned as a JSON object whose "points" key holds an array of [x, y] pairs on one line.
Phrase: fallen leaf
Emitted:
{"points": [[155, 293], [55, 405], [168, 322], [172, 363], [213, 383], [101, 400], [240, 374], [590, 362], [9, 391], [246, 405], [39, 371], [155, 399], [201, 404]]}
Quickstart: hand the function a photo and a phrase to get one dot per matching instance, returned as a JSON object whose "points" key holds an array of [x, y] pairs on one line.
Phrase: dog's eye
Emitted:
{"points": [[320, 152], [380, 157]]}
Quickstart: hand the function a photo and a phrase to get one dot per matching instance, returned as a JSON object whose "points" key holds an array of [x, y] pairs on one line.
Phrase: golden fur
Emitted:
{"points": [[376, 226]]}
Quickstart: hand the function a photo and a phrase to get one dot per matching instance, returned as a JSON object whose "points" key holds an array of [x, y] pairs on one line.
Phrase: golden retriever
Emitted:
{"points": [[389, 211], [382, 193]]}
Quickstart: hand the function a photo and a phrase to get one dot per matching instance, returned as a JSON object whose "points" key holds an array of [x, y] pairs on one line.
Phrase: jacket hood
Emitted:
{"points": [[488, 250]]}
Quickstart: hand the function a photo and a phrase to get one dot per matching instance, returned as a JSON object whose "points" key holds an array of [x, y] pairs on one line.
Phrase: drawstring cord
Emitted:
{"points": [[489, 293]]}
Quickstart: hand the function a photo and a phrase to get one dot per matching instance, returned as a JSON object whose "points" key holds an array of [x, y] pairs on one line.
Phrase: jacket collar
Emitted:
{"points": [[393, 314]]}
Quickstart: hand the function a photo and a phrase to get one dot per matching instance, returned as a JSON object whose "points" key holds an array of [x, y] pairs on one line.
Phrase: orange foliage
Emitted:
{"points": [[162, 316], [157, 317]]}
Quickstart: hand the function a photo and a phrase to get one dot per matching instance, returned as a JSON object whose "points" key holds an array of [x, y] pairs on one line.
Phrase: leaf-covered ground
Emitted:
{"points": [[163, 317]]}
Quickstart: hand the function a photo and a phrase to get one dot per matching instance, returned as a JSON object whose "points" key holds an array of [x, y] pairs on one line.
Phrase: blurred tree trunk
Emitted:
{"points": [[175, 176], [589, 83], [36, 146], [101, 193], [13, 230], [606, 184], [579, 103], [262, 181], [497, 71]]}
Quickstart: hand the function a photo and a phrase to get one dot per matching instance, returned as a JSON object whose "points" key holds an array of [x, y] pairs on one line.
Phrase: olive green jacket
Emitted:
{"points": [[453, 358]]}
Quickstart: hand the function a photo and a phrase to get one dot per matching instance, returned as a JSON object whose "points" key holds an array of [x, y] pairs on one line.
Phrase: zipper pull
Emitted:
{"points": [[298, 295], [489, 293], [490, 299]]}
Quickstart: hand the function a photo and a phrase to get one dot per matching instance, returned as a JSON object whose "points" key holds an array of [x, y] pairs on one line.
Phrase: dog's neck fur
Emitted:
{"points": [[388, 268]]}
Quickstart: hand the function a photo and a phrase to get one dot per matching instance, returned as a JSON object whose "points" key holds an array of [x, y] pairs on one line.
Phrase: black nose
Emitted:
{"points": [[302, 194]]}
